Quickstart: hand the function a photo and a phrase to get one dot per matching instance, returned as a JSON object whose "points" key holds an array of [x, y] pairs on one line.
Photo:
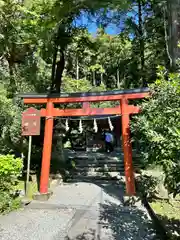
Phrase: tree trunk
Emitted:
{"points": [[94, 78], [141, 41], [118, 79], [53, 70], [102, 80], [12, 89], [173, 7], [77, 68]]}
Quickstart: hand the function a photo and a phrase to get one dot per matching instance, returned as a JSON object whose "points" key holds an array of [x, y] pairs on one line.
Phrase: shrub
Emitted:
{"points": [[8, 202], [157, 129], [10, 170], [146, 185]]}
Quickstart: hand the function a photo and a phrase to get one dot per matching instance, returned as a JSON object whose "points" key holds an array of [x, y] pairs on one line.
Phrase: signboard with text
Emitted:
{"points": [[31, 120]]}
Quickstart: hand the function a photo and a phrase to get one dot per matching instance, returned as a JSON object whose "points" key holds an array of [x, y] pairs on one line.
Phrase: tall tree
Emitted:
{"points": [[173, 8]]}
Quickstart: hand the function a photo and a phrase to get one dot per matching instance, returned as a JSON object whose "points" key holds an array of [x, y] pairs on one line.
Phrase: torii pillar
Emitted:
{"points": [[127, 149]]}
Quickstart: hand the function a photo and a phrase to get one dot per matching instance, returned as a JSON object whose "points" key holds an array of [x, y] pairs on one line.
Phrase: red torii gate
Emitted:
{"points": [[122, 109]]}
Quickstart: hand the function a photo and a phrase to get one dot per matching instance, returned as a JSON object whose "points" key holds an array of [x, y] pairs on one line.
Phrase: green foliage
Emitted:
{"points": [[97, 68], [10, 123], [8, 203], [146, 185], [10, 170], [81, 85], [157, 130], [71, 85]]}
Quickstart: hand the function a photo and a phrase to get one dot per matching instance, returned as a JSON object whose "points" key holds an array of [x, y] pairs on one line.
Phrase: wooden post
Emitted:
{"points": [[47, 147], [127, 148], [28, 165]]}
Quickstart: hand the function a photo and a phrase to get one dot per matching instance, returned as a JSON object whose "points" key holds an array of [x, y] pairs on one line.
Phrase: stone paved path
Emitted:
{"points": [[79, 211]]}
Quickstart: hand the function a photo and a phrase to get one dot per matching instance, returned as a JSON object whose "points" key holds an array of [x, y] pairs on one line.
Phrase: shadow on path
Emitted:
{"points": [[173, 225], [89, 235], [115, 221]]}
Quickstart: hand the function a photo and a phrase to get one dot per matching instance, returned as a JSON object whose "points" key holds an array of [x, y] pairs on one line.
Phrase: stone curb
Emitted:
{"points": [[46, 205]]}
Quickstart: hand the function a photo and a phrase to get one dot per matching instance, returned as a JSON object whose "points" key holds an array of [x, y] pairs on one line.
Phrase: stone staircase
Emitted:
{"points": [[98, 165]]}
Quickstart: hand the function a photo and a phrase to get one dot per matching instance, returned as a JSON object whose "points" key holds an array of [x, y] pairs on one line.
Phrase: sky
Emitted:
{"points": [[91, 25], [112, 29]]}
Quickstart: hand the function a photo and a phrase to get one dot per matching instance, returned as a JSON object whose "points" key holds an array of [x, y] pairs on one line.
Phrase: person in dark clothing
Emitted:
{"points": [[109, 140]]}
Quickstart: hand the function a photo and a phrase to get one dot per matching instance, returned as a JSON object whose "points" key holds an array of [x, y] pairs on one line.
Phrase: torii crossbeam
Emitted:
{"points": [[122, 109]]}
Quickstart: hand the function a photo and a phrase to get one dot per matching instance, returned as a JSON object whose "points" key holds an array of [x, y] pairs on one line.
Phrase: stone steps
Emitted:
{"points": [[95, 178], [98, 166], [100, 170]]}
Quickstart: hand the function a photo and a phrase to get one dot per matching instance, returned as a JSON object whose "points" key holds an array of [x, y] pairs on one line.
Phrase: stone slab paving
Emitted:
{"points": [[79, 211]]}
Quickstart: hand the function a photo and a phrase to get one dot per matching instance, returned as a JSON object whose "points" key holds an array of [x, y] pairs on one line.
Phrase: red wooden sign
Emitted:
{"points": [[31, 122]]}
